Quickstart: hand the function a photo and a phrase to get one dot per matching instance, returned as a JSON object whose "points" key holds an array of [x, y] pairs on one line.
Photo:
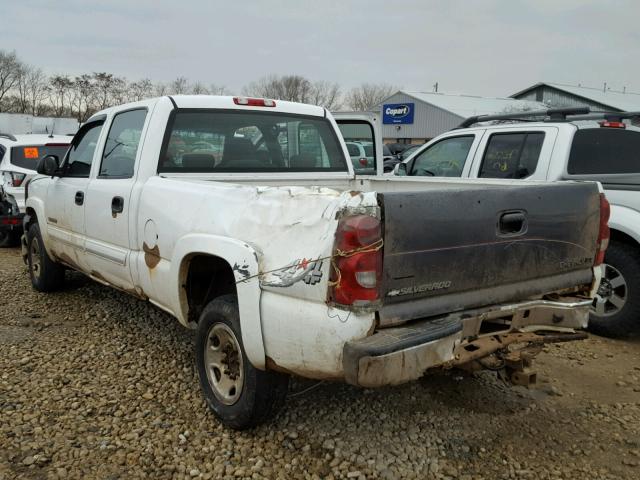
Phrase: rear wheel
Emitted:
{"points": [[616, 308], [46, 275], [240, 395]]}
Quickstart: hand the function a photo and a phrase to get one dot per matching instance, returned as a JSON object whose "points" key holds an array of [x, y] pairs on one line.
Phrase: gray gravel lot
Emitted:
{"points": [[95, 384]]}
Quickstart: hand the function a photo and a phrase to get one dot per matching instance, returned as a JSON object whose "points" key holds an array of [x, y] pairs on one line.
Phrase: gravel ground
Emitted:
{"points": [[95, 384]]}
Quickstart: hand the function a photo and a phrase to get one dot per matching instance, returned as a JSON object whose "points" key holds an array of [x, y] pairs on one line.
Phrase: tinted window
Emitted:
{"points": [[353, 149], [80, 155], [122, 143], [27, 156], [243, 141], [443, 159], [603, 151], [511, 155]]}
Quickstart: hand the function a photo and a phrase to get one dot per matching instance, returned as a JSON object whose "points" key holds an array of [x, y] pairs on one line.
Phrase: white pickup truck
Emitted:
{"points": [[559, 144], [243, 218]]}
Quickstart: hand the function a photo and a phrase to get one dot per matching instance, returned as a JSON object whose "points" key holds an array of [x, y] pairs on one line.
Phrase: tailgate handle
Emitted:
{"points": [[512, 223]]}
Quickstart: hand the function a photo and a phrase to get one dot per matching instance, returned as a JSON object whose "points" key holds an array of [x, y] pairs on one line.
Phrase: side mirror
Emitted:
{"points": [[400, 169], [48, 165]]}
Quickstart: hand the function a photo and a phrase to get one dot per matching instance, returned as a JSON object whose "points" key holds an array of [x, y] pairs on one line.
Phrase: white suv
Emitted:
{"points": [[559, 144], [19, 156]]}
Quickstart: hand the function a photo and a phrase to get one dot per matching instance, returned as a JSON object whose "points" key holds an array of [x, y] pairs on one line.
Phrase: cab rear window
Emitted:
{"points": [[604, 151], [27, 156], [249, 141]]}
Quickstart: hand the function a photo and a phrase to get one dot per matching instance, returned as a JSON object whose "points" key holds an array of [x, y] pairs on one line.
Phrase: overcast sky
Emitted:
{"points": [[492, 47]]}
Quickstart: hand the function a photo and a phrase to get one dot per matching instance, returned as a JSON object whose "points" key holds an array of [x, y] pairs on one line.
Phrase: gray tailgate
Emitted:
{"points": [[455, 246]]}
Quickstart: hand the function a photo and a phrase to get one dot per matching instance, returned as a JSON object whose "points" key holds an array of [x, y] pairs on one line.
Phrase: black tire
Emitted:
{"points": [[625, 259], [262, 393], [9, 239], [46, 275]]}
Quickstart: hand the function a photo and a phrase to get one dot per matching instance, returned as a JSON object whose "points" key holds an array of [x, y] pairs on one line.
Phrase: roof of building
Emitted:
{"points": [[626, 101], [469, 105]]}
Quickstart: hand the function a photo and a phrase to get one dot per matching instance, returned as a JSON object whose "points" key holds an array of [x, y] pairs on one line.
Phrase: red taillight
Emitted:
{"points": [[363, 162], [254, 102], [357, 262], [603, 233], [10, 221], [607, 124]]}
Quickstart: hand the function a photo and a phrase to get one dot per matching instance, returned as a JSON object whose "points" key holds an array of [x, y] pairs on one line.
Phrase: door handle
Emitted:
{"points": [[79, 198], [512, 223], [117, 205]]}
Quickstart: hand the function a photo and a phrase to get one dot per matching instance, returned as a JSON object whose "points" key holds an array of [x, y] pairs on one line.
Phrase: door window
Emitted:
{"points": [[80, 155], [360, 139], [511, 155], [121, 147], [443, 159]]}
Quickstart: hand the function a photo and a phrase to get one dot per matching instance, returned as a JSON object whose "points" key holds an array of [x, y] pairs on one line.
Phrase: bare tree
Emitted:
{"points": [[179, 86], [199, 89], [325, 94], [84, 97], [31, 89], [10, 70], [215, 89], [368, 95], [161, 89], [140, 90], [294, 88], [60, 91], [106, 86]]}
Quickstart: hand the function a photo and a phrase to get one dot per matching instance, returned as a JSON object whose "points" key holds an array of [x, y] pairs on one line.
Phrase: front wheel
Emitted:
{"points": [[46, 275], [240, 395], [616, 308]]}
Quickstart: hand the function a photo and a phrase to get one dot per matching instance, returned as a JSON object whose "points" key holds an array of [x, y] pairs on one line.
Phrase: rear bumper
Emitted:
{"points": [[396, 355]]}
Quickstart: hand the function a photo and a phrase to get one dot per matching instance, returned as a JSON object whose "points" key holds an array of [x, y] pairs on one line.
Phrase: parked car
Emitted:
{"points": [[286, 263], [570, 144], [361, 155], [397, 148], [19, 155]]}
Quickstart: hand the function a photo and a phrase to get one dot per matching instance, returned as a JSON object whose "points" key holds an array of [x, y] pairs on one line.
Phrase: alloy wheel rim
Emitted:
{"points": [[612, 294], [223, 364]]}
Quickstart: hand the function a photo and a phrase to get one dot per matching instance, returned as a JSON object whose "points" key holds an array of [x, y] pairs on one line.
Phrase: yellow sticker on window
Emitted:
{"points": [[31, 152]]}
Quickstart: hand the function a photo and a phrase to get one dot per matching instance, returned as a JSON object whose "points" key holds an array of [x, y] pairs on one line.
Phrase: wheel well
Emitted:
{"points": [[621, 237], [206, 278], [33, 217]]}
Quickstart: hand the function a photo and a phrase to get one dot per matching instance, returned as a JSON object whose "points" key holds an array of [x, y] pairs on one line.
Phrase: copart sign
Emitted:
{"points": [[397, 113]]}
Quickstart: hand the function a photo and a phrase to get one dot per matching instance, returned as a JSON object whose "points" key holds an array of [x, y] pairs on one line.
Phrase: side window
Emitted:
{"points": [[601, 151], [360, 141], [121, 147], [443, 159], [80, 155], [353, 150], [511, 155]]}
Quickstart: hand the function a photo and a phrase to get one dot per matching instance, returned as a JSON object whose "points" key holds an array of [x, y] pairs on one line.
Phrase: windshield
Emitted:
{"points": [[27, 156], [250, 141]]}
